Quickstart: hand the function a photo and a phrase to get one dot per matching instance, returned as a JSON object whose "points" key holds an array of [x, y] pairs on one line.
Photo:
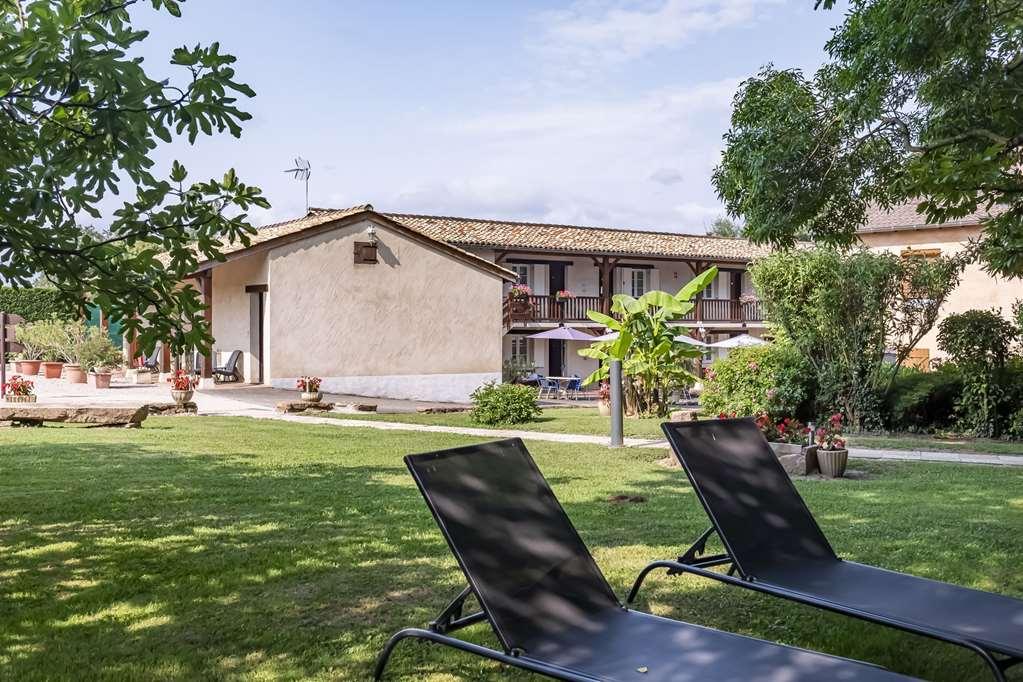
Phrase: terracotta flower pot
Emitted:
{"points": [[52, 370], [30, 368], [182, 397], [312, 397], [604, 408], [19, 398], [833, 462], [99, 379], [17, 367], [75, 374]]}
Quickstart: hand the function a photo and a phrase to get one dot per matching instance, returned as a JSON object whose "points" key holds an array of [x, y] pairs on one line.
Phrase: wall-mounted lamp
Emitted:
{"points": [[372, 234], [366, 252]]}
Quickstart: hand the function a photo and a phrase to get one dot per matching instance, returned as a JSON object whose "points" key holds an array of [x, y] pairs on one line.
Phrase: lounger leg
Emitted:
{"points": [[515, 661]]}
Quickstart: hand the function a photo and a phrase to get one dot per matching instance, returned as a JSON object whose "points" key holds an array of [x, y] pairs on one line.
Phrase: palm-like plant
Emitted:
{"points": [[653, 362]]}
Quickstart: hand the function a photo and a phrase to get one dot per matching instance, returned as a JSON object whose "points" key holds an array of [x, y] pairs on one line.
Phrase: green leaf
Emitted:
{"points": [[697, 284], [606, 320]]}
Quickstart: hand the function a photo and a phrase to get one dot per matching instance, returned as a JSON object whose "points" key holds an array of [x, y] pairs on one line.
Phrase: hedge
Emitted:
{"points": [[34, 303]]}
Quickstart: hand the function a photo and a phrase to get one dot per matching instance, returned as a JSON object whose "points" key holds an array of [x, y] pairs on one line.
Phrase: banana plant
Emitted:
{"points": [[653, 362]]}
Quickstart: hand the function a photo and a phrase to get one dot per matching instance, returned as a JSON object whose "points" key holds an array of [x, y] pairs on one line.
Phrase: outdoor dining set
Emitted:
{"points": [[554, 613]]}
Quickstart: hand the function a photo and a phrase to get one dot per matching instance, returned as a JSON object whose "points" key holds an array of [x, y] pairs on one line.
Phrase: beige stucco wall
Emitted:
{"points": [[415, 315], [977, 289], [231, 327]]}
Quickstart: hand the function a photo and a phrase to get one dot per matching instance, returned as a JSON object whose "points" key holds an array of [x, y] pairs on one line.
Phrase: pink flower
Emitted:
{"points": [[771, 392]]}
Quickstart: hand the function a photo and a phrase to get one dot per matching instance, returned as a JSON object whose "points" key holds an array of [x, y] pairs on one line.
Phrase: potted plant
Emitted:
{"points": [[142, 374], [787, 436], [76, 339], [519, 292], [182, 385], [832, 454], [18, 389], [99, 355], [604, 399], [48, 339], [30, 357], [310, 387]]}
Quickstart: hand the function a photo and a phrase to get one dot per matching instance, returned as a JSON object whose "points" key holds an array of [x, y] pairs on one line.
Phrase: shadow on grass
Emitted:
{"points": [[119, 561]]}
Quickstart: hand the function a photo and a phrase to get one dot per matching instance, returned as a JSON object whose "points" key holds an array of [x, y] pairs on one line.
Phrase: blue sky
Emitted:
{"points": [[603, 112]]}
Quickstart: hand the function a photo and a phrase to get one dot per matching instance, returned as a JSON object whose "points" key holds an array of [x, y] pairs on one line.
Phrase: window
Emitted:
{"points": [[910, 255], [639, 280], [520, 349], [522, 271]]}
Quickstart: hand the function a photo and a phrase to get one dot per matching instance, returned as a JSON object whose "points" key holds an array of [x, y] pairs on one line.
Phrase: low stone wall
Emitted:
{"points": [[32, 414]]}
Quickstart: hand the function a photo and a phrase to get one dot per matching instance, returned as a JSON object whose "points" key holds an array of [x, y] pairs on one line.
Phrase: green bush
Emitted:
{"points": [[924, 401], [772, 379], [33, 303], [495, 404]]}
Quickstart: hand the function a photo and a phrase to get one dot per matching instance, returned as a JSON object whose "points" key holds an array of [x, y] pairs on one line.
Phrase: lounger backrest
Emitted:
{"points": [[749, 497], [232, 360], [519, 551]]}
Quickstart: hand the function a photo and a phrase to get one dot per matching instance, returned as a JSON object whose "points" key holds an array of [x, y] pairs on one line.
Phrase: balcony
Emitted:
{"points": [[546, 309]]}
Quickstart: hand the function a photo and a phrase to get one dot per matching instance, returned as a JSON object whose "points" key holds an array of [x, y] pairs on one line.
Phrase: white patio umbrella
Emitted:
{"points": [[564, 334], [610, 336], [690, 340], [738, 342]]}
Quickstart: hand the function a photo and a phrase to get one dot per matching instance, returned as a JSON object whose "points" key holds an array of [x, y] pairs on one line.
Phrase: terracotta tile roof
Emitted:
{"points": [[282, 229], [906, 217], [317, 217], [476, 233]]}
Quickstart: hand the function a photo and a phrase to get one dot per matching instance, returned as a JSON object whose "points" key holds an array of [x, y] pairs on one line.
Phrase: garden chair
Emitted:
{"points": [[549, 605], [773, 545], [153, 361], [549, 387], [228, 372], [574, 387]]}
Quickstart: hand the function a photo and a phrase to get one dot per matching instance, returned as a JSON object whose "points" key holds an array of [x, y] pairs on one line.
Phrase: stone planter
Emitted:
{"points": [[604, 408], [19, 398], [144, 378], [182, 397], [312, 397], [99, 379], [797, 460], [833, 462], [786, 448], [52, 370], [74, 374], [29, 368]]}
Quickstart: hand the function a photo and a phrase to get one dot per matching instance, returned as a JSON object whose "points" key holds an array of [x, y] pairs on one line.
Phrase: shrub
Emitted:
{"points": [[924, 401], [34, 303], [495, 403], [45, 338], [772, 379], [96, 352]]}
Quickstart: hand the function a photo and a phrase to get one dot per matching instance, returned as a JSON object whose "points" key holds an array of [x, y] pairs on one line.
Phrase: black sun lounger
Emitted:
{"points": [[548, 603], [774, 545]]}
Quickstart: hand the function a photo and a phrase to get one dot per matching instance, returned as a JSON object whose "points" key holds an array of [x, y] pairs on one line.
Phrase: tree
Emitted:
{"points": [[723, 227], [79, 118], [653, 362], [846, 311], [979, 342], [919, 101]]}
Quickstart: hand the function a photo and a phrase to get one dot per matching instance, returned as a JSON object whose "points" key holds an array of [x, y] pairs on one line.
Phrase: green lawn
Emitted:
{"points": [[214, 548], [586, 420]]}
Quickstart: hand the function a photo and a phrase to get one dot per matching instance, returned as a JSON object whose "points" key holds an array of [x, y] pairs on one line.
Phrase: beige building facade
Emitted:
{"points": [[904, 232], [409, 318]]}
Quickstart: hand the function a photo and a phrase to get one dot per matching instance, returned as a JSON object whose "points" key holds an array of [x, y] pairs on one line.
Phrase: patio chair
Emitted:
{"points": [[549, 605], [153, 361], [549, 387], [773, 545], [228, 372], [574, 387]]}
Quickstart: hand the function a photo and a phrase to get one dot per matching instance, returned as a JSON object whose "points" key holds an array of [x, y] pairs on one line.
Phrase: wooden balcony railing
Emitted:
{"points": [[548, 309]]}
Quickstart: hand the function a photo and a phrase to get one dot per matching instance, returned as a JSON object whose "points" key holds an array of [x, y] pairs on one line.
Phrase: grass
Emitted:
{"points": [[234, 549], [584, 420]]}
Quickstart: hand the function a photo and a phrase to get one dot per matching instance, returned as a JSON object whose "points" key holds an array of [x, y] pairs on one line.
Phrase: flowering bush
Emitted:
{"points": [[749, 298], [181, 380], [19, 385], [308, 384], [829, 435], [564, 295], [604, 392], [520, 291], [772, 379]]}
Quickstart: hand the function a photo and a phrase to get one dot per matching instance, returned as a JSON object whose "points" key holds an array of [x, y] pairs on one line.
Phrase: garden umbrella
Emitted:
{"points": [[610, 336], [738, 342], [564, 334], [690, 340]]}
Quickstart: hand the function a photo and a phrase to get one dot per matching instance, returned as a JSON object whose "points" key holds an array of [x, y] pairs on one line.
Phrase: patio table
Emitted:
{"points": [[563, 383]]}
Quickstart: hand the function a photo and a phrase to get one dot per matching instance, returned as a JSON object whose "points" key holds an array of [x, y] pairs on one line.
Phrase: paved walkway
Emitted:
{"points": [[241, 400]]}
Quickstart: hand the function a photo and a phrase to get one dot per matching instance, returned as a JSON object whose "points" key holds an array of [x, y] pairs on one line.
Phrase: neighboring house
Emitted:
{"points": [[368, 304], [426, 314], [906, 232]]}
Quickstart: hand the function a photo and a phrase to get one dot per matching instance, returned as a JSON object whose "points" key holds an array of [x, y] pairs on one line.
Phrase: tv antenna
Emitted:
{"points": [[302, 171]]}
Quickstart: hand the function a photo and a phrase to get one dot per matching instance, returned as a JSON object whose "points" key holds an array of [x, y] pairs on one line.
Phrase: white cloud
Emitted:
{"points": [[666, 176], [592, 35]]}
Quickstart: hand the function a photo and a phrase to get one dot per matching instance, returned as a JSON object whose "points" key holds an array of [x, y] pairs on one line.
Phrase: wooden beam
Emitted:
{"points": [[207, 299]]}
